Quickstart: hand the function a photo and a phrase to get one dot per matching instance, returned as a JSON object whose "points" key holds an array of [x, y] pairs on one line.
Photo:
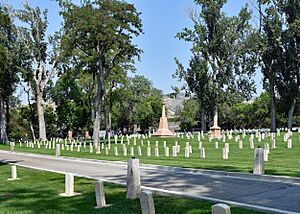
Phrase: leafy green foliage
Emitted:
{"points": [[189, 115]]}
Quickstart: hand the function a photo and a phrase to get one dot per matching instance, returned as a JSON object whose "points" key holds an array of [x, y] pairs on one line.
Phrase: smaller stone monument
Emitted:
{"points": [[163, 130], [215, 130]]}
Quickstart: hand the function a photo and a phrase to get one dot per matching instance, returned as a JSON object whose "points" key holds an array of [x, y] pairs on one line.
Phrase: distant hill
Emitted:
{"points": [[174, 104]]}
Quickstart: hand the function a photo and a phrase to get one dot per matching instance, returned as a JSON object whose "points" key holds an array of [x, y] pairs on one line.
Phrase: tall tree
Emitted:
{"points": [[72, 103], [38, 74], [199, 83], [271, 51], [288, 79], [98, 35], [223, 46], [9, 62]]}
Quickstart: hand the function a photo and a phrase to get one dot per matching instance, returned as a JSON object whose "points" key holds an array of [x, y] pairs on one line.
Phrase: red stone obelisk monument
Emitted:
{"points": [[215, 130], [163, 130]]}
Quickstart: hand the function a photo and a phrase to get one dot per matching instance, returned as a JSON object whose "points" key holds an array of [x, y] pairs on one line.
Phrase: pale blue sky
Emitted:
{"points": [[161, 19]]}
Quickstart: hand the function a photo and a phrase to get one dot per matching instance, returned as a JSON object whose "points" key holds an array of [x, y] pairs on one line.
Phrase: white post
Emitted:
{"points": [[133, 187], [69, 186], [14, 175], [100, 194]]}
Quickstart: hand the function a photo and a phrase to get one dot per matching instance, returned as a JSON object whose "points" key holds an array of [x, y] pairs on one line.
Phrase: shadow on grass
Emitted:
{"points": [[46, 199], [282, 173]]}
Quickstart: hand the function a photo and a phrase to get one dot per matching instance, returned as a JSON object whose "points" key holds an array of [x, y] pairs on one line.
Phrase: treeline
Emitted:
{"points": [[227, 51], [136, 104], [94, 46], [238, 114]]}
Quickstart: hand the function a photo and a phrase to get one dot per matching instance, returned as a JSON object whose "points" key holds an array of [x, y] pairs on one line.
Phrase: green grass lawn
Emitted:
{"points": [[38, 192], [282, 161]]}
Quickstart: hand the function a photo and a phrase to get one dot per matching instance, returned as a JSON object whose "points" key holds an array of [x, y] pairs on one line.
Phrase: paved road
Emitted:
{"points": [[282, 194]]}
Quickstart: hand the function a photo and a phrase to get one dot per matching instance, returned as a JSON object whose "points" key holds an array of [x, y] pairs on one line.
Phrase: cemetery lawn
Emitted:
{"points": [[282, 161], [38, 192]]}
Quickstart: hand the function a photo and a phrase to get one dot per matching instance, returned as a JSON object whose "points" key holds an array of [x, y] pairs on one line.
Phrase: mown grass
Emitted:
{"points": [[282, 161], [38, 192]]}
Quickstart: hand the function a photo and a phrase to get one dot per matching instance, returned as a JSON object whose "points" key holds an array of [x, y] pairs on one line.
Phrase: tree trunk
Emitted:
{"points": [[106, 115], [40, 112], [92, 109], [203, 123], [273, 108], [110, 112], [291, 113], [31, 115], [96, 130], [3, 133], [7, 116], [91, 99]]}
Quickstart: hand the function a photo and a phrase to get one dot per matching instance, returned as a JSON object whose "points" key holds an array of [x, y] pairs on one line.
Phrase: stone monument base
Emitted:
{"points": [[215, 132], [163, 133]]}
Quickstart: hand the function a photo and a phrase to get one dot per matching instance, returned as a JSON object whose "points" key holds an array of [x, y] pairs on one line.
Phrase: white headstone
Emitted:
{"points": [[116, 151], [167, 152], [148, 151], [124, 150], [240, 144], [216, 145], [220, 209], [174, 151], [266, 155], [258, 163], [225, 153], [57, 151], [131, 151], [139, 151], [273, 144], [156, 152], [147, 204], [202, 152], [187, 152], [200, 144], [289, 143]]}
